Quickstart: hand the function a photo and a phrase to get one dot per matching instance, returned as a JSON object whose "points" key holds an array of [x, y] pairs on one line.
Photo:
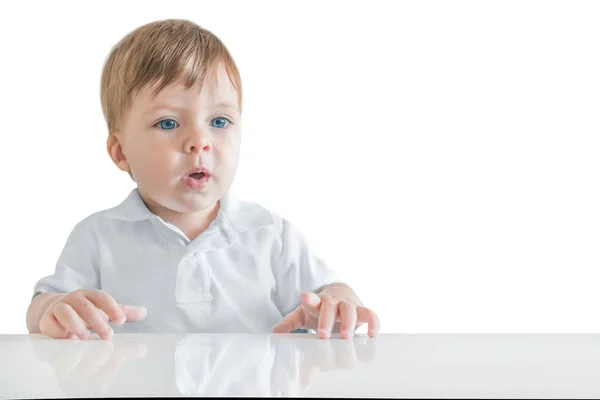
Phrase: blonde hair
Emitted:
{"points": [[156, 55]]}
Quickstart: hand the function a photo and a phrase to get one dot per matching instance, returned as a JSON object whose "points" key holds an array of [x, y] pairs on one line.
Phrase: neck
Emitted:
{"points": [[191, 224]]}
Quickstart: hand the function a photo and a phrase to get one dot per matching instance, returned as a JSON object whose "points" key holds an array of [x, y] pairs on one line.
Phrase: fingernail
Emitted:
{"points": [[324, 332], [144, 312], [105, 334]]}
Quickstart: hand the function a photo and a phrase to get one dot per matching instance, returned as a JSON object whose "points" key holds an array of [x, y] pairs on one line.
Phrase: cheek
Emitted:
{"points": [[229, 151], [152, 158]]}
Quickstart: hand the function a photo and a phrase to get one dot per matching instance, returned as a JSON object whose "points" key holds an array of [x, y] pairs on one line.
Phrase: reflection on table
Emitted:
{"points": [[210, 365], [405, 365]]}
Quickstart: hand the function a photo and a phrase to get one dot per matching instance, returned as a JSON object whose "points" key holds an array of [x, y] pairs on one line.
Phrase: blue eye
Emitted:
{"points": [[219, 122], [167, 124]]}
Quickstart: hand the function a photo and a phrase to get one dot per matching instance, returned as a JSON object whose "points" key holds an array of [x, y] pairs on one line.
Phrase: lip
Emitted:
{"points": [[198, 170], [197, 184]]}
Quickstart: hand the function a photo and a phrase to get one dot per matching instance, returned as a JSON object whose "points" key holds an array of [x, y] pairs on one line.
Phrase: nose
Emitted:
{"points": [[197, 141]]}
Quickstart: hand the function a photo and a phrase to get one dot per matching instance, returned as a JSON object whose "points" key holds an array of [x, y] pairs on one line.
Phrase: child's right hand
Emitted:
{"points": [[74, 315]]}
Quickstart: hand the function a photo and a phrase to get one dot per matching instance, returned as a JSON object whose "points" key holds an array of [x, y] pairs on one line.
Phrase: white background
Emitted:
{"points": [[443, 156]]}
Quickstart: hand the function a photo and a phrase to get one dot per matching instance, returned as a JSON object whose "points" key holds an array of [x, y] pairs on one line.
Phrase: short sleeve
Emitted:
{"points": [[77, 266], [299, 270]]}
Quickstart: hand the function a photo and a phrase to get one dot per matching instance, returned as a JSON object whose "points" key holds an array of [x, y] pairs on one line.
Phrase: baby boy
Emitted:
{"points": [[181, 253]]}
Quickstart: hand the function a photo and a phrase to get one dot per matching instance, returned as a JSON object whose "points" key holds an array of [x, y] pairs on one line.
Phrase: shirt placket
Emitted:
{"points": [[193, 280]]}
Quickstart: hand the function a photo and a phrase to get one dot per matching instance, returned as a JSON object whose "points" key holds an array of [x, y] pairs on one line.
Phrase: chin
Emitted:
{"points": [[199, 202]]}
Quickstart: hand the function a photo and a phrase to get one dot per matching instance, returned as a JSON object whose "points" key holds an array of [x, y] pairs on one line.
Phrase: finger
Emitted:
{"points": [[134, 313], [50, 326], [105, 302], [91, 315], [68, 318], [368, 316], [311, 303], [291, 322], [104, 316], [327, 314], [347, 319]]}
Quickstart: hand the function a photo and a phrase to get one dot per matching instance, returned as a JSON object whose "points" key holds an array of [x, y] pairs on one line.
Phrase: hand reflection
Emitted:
{"points": [[86, 364], [274, 365], [329, 355], [200, 364]]}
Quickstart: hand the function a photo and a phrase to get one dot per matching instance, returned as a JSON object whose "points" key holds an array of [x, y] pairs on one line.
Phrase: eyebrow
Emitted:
{"points": [[226, 105], [178, 108]]}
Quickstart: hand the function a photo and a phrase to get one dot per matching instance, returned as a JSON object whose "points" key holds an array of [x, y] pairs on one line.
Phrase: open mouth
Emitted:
{"points": [[197, 175], [197, 180]]}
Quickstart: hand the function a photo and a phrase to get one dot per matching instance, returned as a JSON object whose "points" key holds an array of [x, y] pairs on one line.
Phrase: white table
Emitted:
{"points": [[301, 365]]}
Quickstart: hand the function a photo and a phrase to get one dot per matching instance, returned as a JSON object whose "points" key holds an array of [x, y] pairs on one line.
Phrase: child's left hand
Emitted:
{"points": [[331, 310]]}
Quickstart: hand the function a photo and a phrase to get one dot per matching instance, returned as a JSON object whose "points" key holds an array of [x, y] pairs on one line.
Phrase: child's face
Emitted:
{"points": [[168, 137]]}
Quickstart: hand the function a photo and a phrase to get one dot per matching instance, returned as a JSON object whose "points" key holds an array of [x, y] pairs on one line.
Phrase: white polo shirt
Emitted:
{"points": [[243, 274]]}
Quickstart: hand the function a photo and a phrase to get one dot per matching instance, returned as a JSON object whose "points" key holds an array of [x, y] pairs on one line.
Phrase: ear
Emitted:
{"points": [[115, 151]]}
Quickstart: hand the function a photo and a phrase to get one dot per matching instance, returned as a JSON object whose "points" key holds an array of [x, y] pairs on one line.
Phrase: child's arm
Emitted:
{"points": [[69, 302]]}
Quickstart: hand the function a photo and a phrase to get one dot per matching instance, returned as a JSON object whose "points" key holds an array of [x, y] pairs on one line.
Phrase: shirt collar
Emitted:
{"points": [[132, 209], [234, 216]]}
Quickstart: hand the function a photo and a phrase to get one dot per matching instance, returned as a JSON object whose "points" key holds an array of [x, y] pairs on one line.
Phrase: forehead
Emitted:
{"points": [[216, 90]]}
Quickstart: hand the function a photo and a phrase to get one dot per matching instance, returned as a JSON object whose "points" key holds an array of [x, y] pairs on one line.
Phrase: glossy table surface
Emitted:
{"points": [[404, 365]]}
